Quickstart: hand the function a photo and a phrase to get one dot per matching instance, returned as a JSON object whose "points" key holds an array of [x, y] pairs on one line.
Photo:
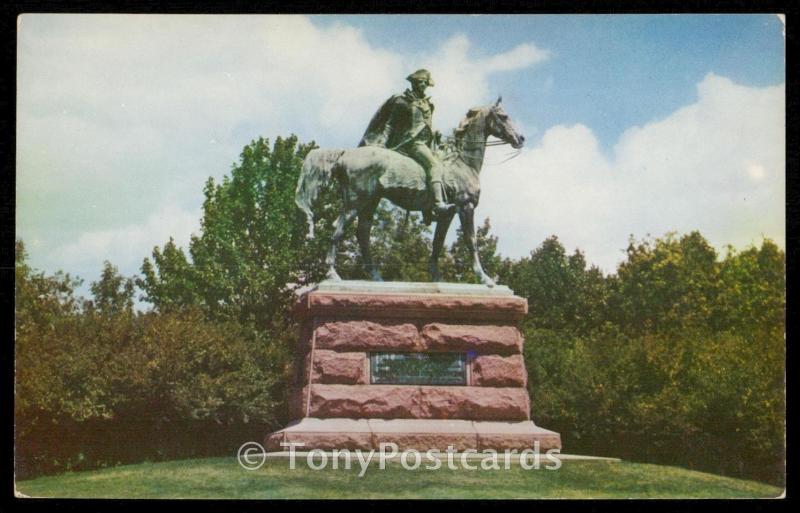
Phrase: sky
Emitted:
{"points": [[635, 125]]}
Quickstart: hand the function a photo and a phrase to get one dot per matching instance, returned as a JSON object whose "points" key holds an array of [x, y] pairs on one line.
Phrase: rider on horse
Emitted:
{"points": [[404, 124]]}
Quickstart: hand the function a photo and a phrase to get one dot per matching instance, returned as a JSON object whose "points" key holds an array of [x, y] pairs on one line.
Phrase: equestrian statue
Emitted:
{"points": [[398, 159]]}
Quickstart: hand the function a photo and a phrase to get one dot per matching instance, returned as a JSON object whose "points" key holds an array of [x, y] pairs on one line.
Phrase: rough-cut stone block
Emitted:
{"points": [[343, 368], [367, 335], [419, 306], [499, 371], [464, 337], [500, 436], [500, 404], [365, 401], [424, 435], [475, 403], [445, 402], [412, 402]]}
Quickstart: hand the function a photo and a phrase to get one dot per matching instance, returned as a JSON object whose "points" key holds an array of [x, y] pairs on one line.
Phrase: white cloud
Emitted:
{"points": [[120, 115], [716, 165], [128, 244], [462, 78], [522, 56]]}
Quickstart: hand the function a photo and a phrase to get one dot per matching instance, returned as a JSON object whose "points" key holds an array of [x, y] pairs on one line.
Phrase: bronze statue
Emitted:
{"points": [[369, 173], [404, 123]]}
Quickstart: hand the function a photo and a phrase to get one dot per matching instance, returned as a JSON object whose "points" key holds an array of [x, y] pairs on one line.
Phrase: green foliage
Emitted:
{"points": [[400, 245], [41, 300], [668, 284], [706, 401], [168, 281], [457, 265], [101, 385], [251, 250], [684, 367], [561, 292], [113, 293], [753, 290]]}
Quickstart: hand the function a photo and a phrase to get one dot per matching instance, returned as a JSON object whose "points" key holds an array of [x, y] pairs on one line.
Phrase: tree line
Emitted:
{"points": [[678, 357]]}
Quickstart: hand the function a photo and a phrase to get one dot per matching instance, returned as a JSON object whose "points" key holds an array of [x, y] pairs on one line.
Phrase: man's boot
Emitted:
{"points": [[440, 208]]}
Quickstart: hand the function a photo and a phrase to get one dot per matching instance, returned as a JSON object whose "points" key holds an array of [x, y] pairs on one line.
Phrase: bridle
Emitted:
{"points": [[480, 145]]}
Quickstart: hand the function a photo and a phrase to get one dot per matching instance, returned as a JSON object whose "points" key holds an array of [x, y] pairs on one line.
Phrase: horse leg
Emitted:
{"points": [[442, 225], [344, 219], [467, 216], [365, 217]]}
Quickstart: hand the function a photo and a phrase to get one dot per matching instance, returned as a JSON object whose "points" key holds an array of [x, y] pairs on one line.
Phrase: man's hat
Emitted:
{"points": [[421, 74]]}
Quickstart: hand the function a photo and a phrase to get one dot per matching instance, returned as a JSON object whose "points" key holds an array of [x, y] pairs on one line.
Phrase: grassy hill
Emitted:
{"points": [[224, 478]]}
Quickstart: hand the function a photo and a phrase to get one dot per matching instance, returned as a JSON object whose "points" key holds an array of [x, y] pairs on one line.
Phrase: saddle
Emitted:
{"points": [[394, 177]]}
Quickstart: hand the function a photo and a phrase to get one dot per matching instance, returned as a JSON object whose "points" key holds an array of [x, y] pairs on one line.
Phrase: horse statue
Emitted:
{"points": [[367, 174]]}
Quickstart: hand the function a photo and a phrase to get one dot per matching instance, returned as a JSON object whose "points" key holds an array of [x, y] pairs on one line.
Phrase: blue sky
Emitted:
{"points": [[609, 72], [635, 124]]}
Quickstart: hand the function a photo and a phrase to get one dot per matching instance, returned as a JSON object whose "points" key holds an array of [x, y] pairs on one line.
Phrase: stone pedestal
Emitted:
{"points": [[334, 403]]}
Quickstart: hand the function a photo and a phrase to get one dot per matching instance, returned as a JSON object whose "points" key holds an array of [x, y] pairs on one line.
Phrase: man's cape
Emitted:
{"points": [[375, 135]]}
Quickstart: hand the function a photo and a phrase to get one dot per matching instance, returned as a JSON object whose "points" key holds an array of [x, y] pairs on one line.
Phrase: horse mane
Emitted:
{"points": [[471, 113], [451, 149]]}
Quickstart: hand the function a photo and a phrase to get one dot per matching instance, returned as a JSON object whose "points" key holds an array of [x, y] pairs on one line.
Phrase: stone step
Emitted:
{"points": [[419, 434]]}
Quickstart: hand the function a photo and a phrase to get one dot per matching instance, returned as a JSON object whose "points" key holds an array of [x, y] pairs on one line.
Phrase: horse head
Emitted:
{"points": [[490, 120], [499, 125]]}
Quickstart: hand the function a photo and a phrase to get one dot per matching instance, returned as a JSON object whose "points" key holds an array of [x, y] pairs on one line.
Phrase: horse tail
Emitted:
{"points": [[316, 172]]}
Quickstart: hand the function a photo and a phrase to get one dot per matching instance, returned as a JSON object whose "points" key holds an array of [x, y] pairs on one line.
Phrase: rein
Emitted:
{"points": [[454, 141], [459, 145], [473, 147]]}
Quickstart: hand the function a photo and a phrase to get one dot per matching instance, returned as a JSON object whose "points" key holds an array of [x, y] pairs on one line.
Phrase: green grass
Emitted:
{"points": [[223, 478]]}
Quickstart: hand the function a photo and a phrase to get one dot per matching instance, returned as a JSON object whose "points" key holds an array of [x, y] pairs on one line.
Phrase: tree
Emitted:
{"points": [[561, 292], [170, 384], [753, 288], [251, 252], [400, 245], [169, 281], [40, 299], [458, 263], [667, 284], [113, 293]]}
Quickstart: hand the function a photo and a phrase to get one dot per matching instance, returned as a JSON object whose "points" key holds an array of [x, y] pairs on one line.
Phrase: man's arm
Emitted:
{"points": [[416, 123]]}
